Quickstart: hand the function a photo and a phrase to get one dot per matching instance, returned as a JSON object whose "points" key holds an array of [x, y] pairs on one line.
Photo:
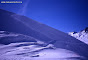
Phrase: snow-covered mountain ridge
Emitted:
{"points": [[44, 40], [82, 35]]}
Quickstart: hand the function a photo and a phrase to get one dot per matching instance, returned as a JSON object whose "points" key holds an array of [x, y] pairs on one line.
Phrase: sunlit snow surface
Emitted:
{"points": [[31, 50], [82, 36], [34, 52]]}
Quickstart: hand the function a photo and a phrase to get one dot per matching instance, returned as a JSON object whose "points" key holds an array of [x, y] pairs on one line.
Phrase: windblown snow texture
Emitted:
{"points": [[23, 47], [20, 24]]}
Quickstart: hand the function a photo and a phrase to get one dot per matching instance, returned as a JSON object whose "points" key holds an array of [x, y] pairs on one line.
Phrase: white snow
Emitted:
{"points": [[82, 36], [34, 52]]}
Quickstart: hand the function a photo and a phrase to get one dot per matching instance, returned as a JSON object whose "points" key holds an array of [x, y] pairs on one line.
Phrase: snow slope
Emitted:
{"points": [[20, 24], [9, 37], [35, 52], [82, 35], [22, 47]]}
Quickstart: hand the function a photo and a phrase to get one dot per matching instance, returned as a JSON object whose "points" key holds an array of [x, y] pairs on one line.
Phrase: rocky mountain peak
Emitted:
{"points": [[86, 29]]}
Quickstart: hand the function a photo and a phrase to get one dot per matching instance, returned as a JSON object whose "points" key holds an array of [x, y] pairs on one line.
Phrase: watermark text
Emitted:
{"points": [[11, 2]]}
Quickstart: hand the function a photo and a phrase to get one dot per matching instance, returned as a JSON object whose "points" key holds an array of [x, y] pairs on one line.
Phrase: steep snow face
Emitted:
{"points": [[82, 35], [21, 24]]}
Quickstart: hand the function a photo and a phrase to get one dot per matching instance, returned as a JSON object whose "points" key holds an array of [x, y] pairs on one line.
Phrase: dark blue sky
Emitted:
{"points": [[64, 15]]}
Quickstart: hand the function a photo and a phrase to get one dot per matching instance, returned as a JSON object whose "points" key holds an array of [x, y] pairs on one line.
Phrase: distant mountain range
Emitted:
{"points": [[82, 35]]}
